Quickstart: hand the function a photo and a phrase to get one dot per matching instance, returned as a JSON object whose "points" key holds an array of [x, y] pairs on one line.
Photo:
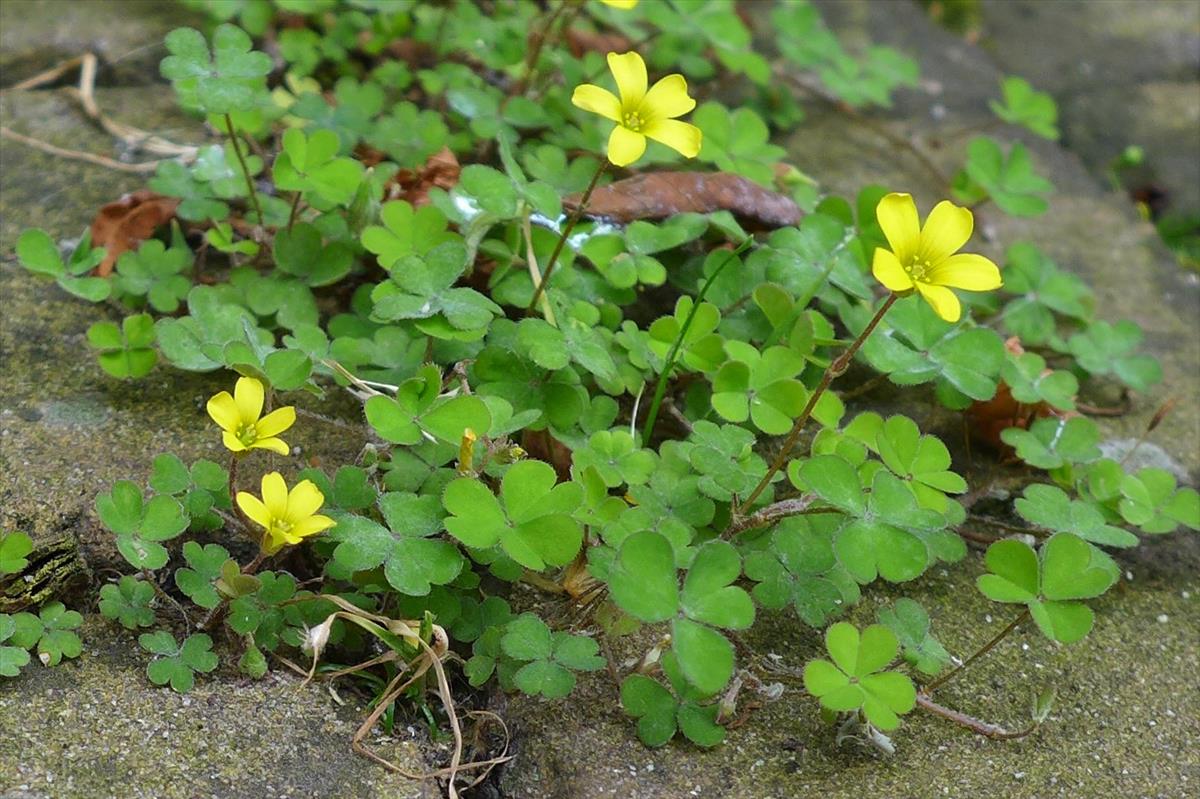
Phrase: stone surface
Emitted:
{"points": [[1122, 71]]}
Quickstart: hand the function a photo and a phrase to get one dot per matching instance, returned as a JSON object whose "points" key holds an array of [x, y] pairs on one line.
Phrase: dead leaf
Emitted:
{"points": [[544, 447], [440, 170], [581, 42], [124, 224], [658, 195], [988, 419]]}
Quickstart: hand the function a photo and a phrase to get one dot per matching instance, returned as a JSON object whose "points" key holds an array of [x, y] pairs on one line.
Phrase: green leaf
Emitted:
{"points": [[652, 705], [707, 595], [527, 638], [125, 352], [128, 602], [910, 623], [616, 457], [1009, 180], [1043, 291], [705, 656], [854, 679], [205, 564], [1031, 382], [176, 664], [643, 579], [302, 252], [156, 273], [139, 527], [1025, 106], [1051, 443], [230, 79], [1105, 349], [310, 165], [1150, 501], [531, 520], [1050, 508], [13, 549]]}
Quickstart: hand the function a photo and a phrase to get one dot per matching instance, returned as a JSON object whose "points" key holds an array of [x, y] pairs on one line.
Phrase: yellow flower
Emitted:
{"points": [[924, 259], [640, 113], [238, 418], [287, 517], [624, 5]]}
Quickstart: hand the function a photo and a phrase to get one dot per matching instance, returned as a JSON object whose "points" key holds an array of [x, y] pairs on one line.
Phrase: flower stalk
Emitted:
{"points": [[237, 150], [562, 239]]}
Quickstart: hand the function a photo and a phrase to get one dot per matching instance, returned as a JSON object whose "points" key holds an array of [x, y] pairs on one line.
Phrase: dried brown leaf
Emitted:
{"points": [[581, 42], [658, 195], [125, 223], [441, 170]]}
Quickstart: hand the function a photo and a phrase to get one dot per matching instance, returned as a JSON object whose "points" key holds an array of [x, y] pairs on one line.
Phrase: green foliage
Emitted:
{"points": [[548, 657], [1050, 508], [12, 658], [1009, 181], [910, 624], [39, 254], [52, 631], [1044, 292], [858, 678], [1027, 107], [1053, 443], [661, 711], [141, 526], [1050, 582], [229, 78], [1106, 348], [176, 663], [1150, 500], [128, 602], [125, 351], [13, 549]]}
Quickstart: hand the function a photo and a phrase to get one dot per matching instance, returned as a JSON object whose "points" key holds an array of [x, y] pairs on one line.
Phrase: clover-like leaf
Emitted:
{"points": [[660, 714], [52, 631], [1043, 291], [1068, 569], [302, 252], [760, 387], [617, 458], [128, 602], [155, 272], [412, 556], [126, 351], [910, 623], [1052, 443], [1149, 500], [1111, 349], [39, 254], [738, 142], [724, 457], [922, 461], [204, 564], [800, 568], [1031, 382], [1049, 507], [178, 664], [310, 164], [550, 657], [855, 679], [13, 658], [140, 526], [530, 520], [227, 79], [1025, 106], [422, 288], [1009, 180]]}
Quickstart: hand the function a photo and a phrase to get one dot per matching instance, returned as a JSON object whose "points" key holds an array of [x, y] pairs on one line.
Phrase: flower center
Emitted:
{"points": [[633, 121], [246, 434], [281, 525], [917, 269]]}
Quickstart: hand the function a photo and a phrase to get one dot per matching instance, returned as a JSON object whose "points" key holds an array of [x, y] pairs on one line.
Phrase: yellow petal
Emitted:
{"points": [[897, 215], [679, 136], [276, 422], [232, 442], [304, 501], [599, 101], [625, 146], [624, 5], [276, 445], [248, 393], [311, 526], [275, 494], [224, 411], [666, 99], [889, 272], [630, 71], [966, 271], [253, 507], [946, 231], [942, 300]]}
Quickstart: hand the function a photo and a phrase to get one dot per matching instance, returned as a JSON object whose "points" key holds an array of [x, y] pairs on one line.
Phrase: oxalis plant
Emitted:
{"points": [[645, 412]]}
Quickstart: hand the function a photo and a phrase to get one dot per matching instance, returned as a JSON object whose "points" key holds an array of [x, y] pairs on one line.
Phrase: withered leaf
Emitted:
{"points": [[658, 195], [441, 170], [125, 223], [580, 42]]}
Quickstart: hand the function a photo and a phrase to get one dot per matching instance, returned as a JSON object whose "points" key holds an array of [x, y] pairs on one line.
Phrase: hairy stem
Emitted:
{"points": [[292, 214], [835, 369], [984, 728], [237, 150], [562, 240], [661, 387], [983, 650]]}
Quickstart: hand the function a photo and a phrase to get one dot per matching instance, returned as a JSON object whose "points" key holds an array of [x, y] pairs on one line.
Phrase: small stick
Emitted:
{"points": [[983, 650], [984, 728], [78, 155]]}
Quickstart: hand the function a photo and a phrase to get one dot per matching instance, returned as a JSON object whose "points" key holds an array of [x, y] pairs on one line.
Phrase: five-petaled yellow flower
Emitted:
{"points": [[238, 417], [640, 112], [624, 5], [287, 517], [924, 259]]}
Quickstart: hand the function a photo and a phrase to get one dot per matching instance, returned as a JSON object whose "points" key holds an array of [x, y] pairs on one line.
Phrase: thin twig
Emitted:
{"points": [[770, 514], [535, 273], [78, 155], [570, 226], [237, 150], [52, 74]]}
